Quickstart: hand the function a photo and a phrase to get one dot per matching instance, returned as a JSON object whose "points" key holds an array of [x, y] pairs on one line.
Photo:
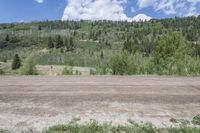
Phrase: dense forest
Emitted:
{"points": [[166, 46]]}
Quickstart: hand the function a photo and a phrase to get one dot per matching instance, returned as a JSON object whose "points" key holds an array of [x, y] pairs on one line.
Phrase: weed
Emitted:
{"points": [[173, 120], [94, 127], [196, 120], [67, 71]]}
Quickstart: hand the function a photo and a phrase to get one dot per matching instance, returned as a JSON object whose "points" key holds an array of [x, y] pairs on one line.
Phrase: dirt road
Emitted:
{"points": [[35, 103]]}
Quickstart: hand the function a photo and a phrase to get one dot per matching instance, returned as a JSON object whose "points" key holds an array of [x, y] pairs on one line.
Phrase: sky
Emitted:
{"points": [[130, 10]]}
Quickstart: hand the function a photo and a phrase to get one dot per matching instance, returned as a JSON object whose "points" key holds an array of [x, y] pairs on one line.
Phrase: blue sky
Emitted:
{"points": [[131, 10]]}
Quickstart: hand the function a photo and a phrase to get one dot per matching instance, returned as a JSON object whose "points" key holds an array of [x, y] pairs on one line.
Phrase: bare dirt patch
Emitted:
{"points": [[39, 102]]}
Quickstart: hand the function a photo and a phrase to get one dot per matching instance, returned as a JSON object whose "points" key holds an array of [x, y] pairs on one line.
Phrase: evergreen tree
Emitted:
{"points": [[39, 27], [102, 55], [50, 43], [7, 39], [71, 43], [66, 43], [59, 42], [16, 64], [128, 46]]}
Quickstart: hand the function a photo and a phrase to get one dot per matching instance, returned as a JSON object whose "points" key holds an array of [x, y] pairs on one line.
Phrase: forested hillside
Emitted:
{"points": [[168, 46]]}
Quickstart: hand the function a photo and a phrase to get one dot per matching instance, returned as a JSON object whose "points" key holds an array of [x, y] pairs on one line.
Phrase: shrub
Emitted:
{"points": [[173, 120], [102, 69], [2, 131], [125, 63], [183, 122], [67, 71], [77, 72], [29, 66], [170, 54], [1, 72], [119, 63], [196, 120], [92, 72]]}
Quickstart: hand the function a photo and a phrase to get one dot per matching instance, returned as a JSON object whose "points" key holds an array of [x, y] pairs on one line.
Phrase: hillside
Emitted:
{"points": [[98, 43]]}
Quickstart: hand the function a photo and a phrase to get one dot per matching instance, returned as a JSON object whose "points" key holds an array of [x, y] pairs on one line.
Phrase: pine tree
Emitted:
{"points": [[50, 43], [71, 43], [66, 43], [102, 55], [16, 64], [7, 39], [59, 42], [39, 27]]}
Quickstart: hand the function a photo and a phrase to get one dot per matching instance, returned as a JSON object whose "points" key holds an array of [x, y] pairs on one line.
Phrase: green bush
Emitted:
{"points": [[173, 120], [103, 69], [128, 64], [92, 72], [1, 72], [29, 66], [67, 71], [119, 63], [2, 131], [171, 53], [196, 120]]}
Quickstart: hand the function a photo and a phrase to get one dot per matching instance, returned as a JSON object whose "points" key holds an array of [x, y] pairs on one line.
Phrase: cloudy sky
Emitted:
{"points": [[130, 10]]}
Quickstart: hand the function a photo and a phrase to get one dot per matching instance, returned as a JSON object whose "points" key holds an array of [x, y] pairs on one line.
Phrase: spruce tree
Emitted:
{"points": [[59, 42], [50, 43], [102, 55], [7, 39], [16, 64], [71, 42], [66, 43]]}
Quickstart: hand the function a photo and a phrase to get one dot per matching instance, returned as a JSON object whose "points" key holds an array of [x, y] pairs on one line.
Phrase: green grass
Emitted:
{"points": [[196, 120], [2, 131], [95, 127]]}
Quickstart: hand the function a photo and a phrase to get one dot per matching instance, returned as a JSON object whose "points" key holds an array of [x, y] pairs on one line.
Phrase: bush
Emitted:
{"points": [[67, 71], [119, 63], [102, 69], [1, 72], [196, 120], [2, 131], [92, 72], [128, 64], [170, 54], [173, 120], [29, 66]]}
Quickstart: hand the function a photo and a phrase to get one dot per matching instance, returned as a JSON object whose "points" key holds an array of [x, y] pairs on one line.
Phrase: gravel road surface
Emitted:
{"points": [[35, 103]]}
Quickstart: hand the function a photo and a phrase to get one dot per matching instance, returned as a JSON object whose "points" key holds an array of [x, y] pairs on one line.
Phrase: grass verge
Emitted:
{"points": [[95, 127]]}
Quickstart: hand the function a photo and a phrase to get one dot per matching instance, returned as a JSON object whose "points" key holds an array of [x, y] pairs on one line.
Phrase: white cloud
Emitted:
{"points": [[39, 1], [98, 10], [171, 7], [145, 3], [141, 17]]}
